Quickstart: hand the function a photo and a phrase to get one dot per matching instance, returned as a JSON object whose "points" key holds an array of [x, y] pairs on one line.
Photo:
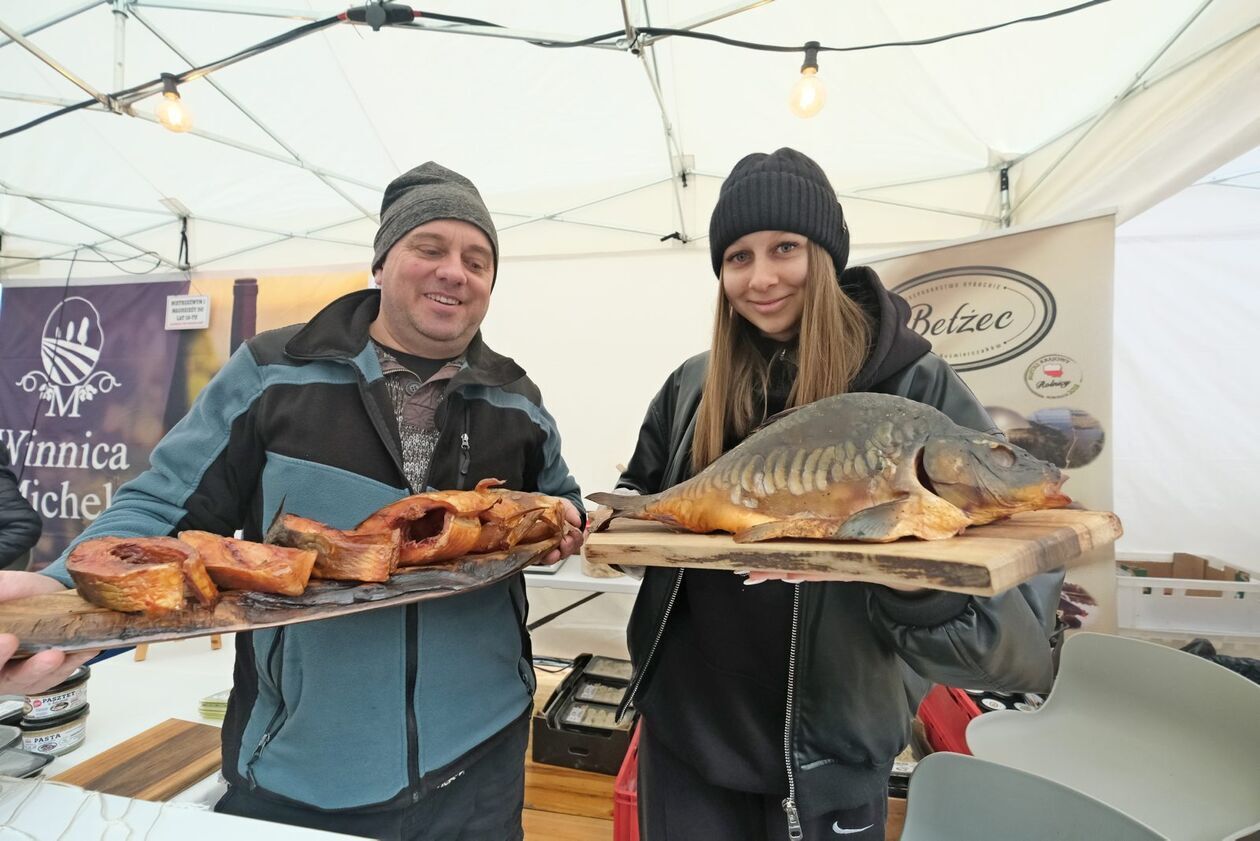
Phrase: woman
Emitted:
{"points": [[776, 711]]}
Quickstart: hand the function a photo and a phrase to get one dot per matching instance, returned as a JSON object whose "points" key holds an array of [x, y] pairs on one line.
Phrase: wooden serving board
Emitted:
{"points": [[983, 560], [154, 765], [67, 622]]}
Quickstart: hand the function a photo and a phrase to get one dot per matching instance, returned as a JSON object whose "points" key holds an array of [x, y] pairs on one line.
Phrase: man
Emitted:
{"points": [[20, 525], [405, 722]]}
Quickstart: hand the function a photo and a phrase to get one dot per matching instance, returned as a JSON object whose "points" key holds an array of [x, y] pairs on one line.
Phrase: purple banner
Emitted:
{"points": [[85, 378]]}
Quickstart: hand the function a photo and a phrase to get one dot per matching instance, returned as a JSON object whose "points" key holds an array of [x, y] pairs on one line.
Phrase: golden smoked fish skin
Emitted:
{"points": [[867, 467], [151, 575]]}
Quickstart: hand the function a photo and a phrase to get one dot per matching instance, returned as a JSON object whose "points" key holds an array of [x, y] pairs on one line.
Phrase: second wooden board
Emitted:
{"points": [[983, 560]]}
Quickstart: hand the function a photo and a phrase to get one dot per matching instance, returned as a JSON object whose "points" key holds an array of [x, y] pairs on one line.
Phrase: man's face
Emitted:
{"points": [[435, 289]]}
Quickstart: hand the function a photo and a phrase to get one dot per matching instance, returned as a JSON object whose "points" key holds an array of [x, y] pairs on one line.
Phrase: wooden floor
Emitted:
{"points": [[562, 804], [553, 826]]}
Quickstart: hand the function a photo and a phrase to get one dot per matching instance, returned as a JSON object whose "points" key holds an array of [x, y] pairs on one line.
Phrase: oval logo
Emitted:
{"points": [[71, 343], [979, 316]]}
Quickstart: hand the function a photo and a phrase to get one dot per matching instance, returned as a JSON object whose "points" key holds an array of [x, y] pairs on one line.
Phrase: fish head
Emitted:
{"points": [[989, 478]]}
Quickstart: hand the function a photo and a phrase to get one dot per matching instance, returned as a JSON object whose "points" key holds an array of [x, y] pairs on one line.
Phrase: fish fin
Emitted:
{"points": [[795, 527], [775, 418], [275, 521], [920, 515], [523, 525], [622, 505]]}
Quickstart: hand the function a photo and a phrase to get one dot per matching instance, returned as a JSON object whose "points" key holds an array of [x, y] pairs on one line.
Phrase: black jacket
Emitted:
{"points": [[846, 711], [20, 526]]}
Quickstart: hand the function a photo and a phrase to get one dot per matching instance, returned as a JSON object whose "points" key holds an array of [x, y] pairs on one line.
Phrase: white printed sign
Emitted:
{"points": [[187, 312]]}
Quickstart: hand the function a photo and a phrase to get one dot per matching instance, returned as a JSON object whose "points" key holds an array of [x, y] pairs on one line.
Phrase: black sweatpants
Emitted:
{"points": [[481, 804], [675, 804]]}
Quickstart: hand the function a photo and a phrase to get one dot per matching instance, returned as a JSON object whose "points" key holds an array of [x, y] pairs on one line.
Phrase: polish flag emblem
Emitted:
{"points": [[1053, 369]]}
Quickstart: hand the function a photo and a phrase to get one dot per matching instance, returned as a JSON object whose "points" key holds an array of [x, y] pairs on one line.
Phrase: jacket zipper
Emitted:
{"points": [[789, 804], [465, 453], [660, 632], [272, 726], [411, 612]]}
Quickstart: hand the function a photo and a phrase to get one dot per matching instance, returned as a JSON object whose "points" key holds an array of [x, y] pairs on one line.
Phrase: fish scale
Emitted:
{"points": [[869, 467]]}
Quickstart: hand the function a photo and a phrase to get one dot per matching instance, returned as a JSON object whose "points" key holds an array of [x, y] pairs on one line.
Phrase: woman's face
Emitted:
{"points": [[763, 276]]}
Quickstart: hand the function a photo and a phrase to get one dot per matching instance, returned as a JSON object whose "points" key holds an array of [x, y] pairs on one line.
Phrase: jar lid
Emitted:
{"points": [[28, 725], [78, 676]]}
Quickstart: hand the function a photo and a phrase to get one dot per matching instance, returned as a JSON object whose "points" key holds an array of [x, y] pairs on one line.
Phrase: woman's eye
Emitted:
{"points": [[737, 257], [785, 247]]}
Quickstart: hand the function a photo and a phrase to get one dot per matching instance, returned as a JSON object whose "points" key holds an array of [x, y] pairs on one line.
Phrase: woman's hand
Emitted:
{"points": [[800, 577], [45, 669]]}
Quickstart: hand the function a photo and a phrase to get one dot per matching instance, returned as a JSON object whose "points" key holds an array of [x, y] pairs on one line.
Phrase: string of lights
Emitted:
{"points": [[807, 97]]}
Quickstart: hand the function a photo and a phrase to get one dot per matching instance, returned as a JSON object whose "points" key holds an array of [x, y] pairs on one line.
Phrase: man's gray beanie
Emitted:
{"points": [[428, 192]]}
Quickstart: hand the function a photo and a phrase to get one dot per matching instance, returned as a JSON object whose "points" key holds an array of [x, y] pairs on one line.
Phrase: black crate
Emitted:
{"points": [[560, 737]]}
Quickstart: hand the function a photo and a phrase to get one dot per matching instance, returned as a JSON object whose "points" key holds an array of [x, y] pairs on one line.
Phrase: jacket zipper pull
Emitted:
{"points": [[793, 819], [465, 455], [249, 766]]}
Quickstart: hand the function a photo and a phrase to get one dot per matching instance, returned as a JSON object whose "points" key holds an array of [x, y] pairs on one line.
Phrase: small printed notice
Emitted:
{"points": [[187, 312]]}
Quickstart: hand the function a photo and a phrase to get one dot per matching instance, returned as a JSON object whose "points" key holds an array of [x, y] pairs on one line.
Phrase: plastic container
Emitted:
{"points": [[1185, 595], [945, 713], [62, 699], [57, 735], [626, 794]]}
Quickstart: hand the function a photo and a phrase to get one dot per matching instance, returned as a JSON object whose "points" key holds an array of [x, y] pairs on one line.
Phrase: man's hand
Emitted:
{"points": [[572, 539], [45, 669]]}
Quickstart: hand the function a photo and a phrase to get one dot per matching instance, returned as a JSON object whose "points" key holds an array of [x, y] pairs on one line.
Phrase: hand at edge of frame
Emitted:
{"points": [[45, 669]]}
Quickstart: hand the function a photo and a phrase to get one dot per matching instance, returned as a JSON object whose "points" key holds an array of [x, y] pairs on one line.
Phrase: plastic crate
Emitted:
{"points": [[626, 794], [1186, 595], [945, 713]]}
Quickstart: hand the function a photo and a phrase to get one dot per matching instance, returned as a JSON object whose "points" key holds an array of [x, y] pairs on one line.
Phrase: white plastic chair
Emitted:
{"points": [[1168, 738], [954, 797]]}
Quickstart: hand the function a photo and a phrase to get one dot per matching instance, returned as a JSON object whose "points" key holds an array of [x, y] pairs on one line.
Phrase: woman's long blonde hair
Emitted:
{"points": [[833, 339]]}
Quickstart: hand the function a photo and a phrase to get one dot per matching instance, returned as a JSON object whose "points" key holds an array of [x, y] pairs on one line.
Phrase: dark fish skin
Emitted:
{"points": [[868, 467]]}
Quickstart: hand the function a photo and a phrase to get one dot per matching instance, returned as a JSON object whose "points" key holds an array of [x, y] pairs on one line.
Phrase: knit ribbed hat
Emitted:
{"points": [[782, 191], [429, 192]]}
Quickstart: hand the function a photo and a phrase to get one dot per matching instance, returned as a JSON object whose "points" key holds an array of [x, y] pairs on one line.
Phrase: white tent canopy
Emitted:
{"points": [[598, 149]]}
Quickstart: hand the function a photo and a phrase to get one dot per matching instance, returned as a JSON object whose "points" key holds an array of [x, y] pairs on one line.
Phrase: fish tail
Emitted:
{"points": [[622, 505]]}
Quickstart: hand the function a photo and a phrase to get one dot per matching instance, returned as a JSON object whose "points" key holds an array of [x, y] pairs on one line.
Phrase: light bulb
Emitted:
{"points": [[809, 94], [173, 113]]}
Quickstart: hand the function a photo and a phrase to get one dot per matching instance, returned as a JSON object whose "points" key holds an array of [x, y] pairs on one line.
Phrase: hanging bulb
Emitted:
{"points": [[809, 94], [171, 111]]}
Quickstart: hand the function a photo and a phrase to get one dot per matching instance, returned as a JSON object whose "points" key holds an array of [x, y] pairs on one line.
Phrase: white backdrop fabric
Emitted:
{"points": [[1187, 387]]}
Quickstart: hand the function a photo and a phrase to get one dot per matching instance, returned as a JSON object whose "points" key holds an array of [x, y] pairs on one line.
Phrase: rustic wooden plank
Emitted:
{"points": [[67, 622], [984, 560], [551, 826], [154, 765]]}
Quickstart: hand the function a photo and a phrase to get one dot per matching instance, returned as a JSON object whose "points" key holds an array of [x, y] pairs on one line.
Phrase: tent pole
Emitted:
{"points": [[1004, 195], [55, 20], [677, 167], [103, 99], [554, 217], [120, 42], [707, 18], [1115, 103], [367, 212], [965, 214]]}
